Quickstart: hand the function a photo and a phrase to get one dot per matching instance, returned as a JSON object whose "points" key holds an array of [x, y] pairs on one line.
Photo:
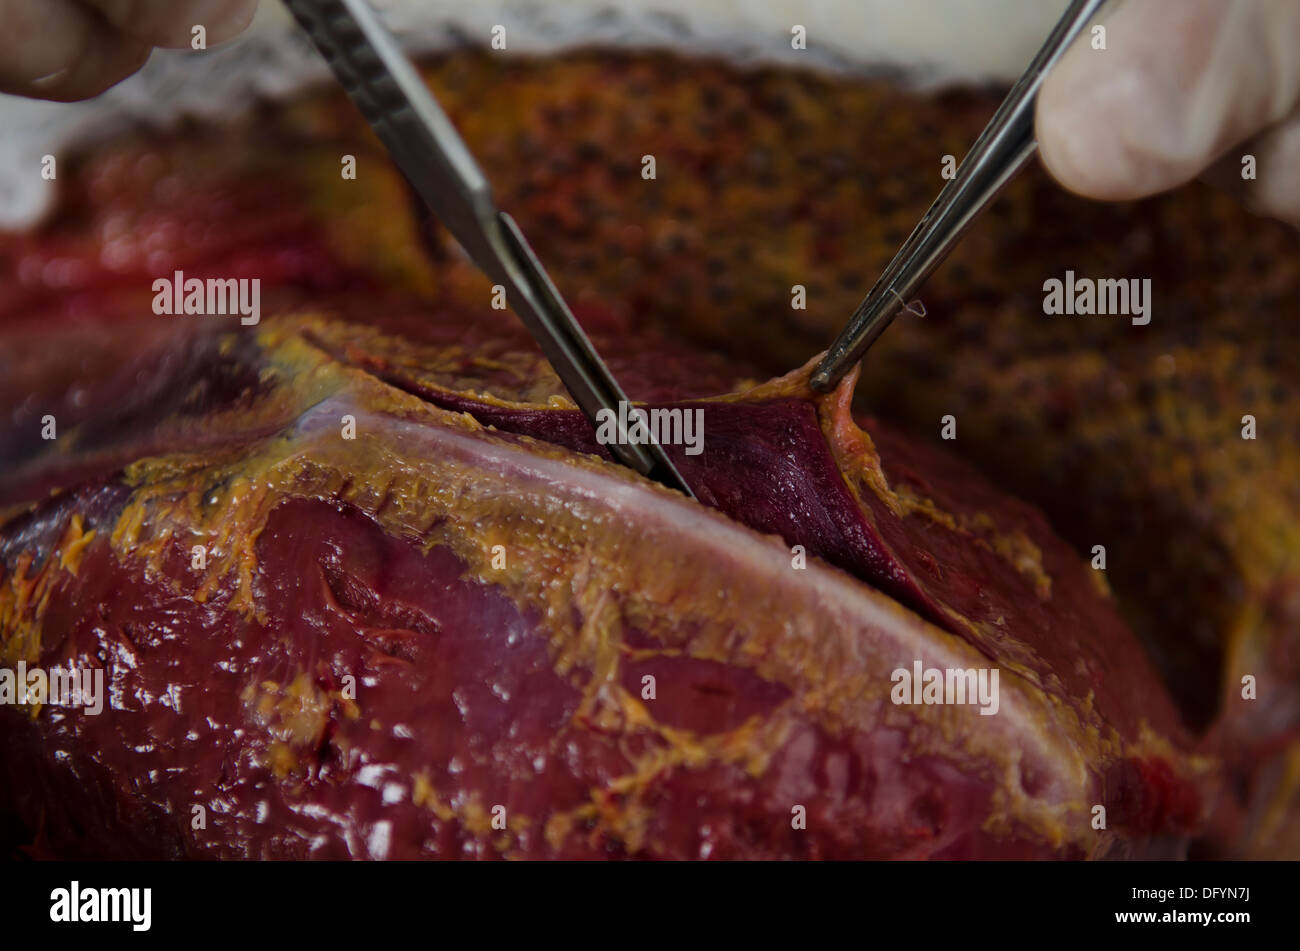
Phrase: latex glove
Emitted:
{"points": [[74, 49], [1185, 87]]}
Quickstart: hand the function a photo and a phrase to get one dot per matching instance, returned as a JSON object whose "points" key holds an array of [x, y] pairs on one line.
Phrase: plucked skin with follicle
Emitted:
{"points": [[771, 190]]}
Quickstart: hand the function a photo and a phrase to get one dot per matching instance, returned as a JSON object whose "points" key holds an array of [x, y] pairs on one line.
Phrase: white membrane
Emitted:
{"points": [[929, 41]]}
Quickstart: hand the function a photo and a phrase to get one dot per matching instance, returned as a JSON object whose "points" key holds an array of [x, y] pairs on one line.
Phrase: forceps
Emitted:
{"points": [[427, 149], [1002, 150]]}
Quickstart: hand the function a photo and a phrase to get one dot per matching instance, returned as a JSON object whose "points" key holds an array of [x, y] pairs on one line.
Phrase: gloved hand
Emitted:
{"points": [[74, 49], [1184, 88]]}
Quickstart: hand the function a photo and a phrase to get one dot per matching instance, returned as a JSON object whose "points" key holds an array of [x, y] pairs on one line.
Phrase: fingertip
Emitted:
{"points": [[1108, 129], [112, 61], [1056, 129], [1080, 146]]}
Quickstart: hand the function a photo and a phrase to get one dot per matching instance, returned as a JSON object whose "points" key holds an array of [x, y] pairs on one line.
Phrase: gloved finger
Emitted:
{"points": [[1180, 81], [106, 63], [169, 23], [58, 49], [1264, 173]]}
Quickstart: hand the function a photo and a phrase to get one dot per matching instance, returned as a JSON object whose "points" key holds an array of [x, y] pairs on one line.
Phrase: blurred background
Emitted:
{"points": [[932, 41]]}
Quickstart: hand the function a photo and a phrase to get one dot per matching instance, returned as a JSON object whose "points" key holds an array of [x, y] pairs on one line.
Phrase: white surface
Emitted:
{"points": [[933, 40]]}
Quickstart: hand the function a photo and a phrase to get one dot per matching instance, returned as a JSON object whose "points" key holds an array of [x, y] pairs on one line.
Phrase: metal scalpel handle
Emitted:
{"points": [[431, 154], [1002, 150]]}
